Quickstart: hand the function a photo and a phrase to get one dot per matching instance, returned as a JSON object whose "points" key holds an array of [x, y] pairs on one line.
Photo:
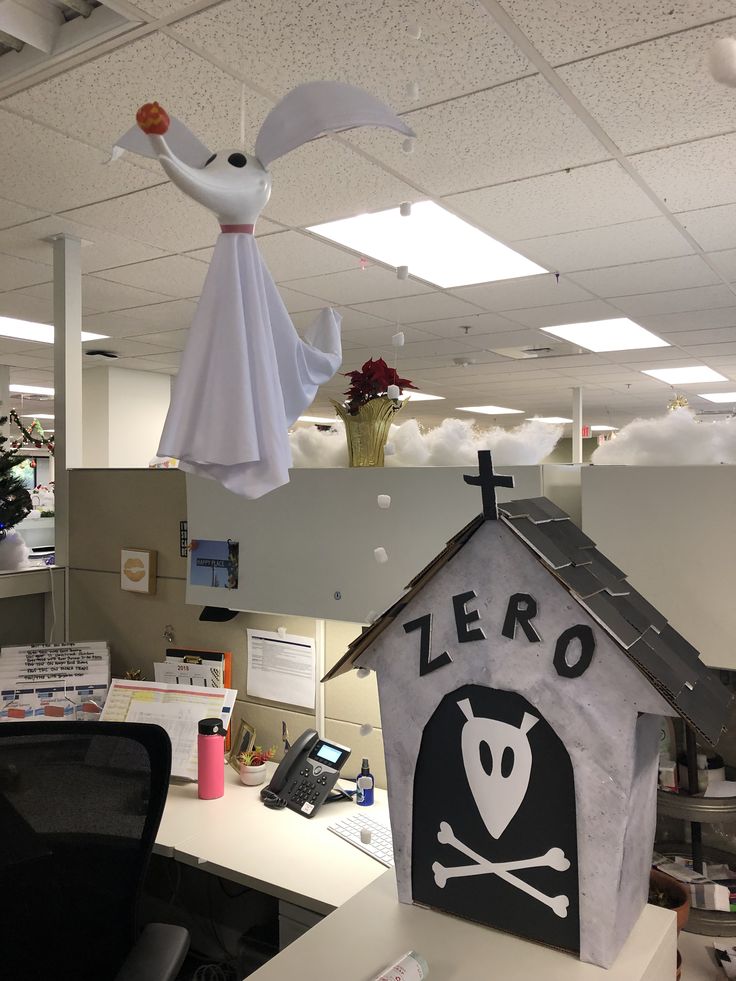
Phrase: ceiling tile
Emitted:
{"points": [[359, 286], [648, 277], [675, 301], [673, 322], [160, 216], [693, 175], [17, 273], [296, 302], [327, 179], [151, 318], [657, 93], [716, 335], [25, 307], [174, 275], [99, 296], [367, 44], [486, 138], [714, 228], [15, 214], [461, 327], [291, 255], [584, 197], [116, 84], [18, 360], [708, 351], [100, 249], [173, 340], [413, 309], [563, 313], [64, 174], [612, 245], [527, 291], [382, 336], [567, 30], [725, 262]]}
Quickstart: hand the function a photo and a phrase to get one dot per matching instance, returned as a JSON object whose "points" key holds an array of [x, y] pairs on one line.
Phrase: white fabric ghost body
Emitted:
{"points": [[246, 374]]}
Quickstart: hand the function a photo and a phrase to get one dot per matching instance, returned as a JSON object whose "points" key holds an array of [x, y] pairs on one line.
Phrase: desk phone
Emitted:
{"points": [[306, 775]]}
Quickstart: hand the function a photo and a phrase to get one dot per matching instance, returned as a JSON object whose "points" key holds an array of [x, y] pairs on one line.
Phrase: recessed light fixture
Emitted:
{"points": [[618, 334], [27, 330], [411, 396], [719, 397], [604, 429], [685, 376], [553, 420], [488, 410], [31, 389], [319, 420], [36, 415], [435, 244]]}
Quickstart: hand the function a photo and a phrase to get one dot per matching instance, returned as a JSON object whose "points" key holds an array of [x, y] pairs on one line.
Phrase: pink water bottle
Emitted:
{"points": [[211, 759]]}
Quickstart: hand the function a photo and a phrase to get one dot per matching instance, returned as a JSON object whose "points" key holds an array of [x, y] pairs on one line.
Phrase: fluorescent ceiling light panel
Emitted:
{"points": [[319, 420], [719, 397], [619, 334], [553, 420], [419, 397], [436, 245], [35, 415], [31, 389], [26, 330], [488, 410], [604, 429], [685, 376]]}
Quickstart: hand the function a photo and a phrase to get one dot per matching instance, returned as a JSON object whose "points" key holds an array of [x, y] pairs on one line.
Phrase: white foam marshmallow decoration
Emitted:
{"points": [[722, 61], [246, 374]]}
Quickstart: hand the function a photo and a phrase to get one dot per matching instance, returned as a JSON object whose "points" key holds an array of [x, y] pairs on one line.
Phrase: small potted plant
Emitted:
{"points": [[252, 765]]}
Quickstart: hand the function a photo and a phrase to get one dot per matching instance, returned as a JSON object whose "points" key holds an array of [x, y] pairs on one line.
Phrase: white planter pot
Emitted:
{"points": [[13, 552], [251, 776]]}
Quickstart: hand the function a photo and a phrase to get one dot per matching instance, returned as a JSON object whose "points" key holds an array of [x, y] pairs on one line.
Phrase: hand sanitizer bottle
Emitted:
{"points": [[364, 784]]}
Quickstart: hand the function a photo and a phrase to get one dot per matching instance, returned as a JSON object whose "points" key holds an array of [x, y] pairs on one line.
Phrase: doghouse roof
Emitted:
{"points": [[663, 656]]}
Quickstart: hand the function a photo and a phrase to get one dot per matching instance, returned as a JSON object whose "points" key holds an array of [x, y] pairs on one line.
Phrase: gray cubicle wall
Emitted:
{"points": [[673, 531], [111, 509]]}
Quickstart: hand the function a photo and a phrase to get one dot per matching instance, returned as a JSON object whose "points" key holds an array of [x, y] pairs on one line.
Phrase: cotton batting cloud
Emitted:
{"points": [[453, 443], [676, 438]]}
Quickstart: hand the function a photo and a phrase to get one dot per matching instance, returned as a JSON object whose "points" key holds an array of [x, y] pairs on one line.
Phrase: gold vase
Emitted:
{"points": [[367, 430]]}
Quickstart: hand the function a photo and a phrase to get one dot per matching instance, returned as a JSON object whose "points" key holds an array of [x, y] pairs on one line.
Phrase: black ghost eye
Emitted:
{"points": [[237, 160], [208, 162], [486, 757], [507, 762]]}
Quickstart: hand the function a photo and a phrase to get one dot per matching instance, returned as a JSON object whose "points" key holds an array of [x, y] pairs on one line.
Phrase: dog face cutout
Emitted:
{"points": [[498, 762]]}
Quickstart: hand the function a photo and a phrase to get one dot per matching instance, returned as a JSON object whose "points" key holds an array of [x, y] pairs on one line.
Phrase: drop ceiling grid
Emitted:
{"points": [[630, 211]]}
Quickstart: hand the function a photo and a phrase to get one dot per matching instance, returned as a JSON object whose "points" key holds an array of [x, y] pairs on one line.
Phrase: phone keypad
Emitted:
{"points": [[307, 791]]}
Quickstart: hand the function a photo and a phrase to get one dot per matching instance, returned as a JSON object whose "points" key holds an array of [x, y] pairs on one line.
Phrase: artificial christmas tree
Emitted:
{"points": [[15, 504]]}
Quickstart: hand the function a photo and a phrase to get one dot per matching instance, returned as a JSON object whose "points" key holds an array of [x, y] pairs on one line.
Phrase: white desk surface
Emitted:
{"points": [[373, 929], [697, 957], [278, 852]]}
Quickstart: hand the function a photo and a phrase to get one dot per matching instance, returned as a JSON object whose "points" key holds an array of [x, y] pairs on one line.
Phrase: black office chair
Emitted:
{"points": [[80, 805]]}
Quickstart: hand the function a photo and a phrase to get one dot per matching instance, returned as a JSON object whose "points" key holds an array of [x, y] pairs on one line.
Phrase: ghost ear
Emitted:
{"points": [[181, 141], [528, 722], [316, 108]]}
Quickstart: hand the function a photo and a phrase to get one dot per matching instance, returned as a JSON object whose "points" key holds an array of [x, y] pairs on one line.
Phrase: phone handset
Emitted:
{"points": [[293, 758]]}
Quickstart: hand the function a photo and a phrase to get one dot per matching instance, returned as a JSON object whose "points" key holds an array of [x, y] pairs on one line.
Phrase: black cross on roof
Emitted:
{"points": [[488, 482]]}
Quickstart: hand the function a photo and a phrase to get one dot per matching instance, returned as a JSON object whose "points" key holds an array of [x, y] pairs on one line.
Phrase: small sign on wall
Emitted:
{"points": [[138, 570]]}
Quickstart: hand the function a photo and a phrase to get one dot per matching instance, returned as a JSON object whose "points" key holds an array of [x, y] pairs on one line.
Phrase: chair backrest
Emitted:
{"points": [[80, 805]]}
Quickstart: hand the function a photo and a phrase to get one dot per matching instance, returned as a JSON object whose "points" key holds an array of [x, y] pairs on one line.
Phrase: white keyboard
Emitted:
{"points": [[380, 846]]}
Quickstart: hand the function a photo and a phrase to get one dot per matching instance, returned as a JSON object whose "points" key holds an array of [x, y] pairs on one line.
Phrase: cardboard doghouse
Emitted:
{"points": [[521, 680]]}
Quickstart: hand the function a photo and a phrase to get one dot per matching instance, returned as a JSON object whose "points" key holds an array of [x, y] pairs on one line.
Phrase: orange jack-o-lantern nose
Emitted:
{"points": [[152, 118]]}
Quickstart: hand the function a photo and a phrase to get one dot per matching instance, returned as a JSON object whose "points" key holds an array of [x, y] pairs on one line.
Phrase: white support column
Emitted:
{"points": [[577, 425], [67, 387]]}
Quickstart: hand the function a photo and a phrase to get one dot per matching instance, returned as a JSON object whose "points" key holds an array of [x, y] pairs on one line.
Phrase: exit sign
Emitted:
{"points": [[585, 432]]}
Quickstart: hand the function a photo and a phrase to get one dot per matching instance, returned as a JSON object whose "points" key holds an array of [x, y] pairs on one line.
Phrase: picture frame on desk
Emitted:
{"points": [[242, 743], [138, 570]]}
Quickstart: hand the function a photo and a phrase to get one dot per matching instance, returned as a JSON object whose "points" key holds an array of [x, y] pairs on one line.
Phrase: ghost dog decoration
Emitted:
{"points": [[246, 375], [521, 681]]}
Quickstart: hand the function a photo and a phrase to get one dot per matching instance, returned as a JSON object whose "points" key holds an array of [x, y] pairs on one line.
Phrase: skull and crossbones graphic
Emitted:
{"points": [[498, 763]]}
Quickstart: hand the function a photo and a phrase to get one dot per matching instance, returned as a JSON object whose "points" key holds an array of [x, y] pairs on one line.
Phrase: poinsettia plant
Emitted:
{"points": [[371, 382], [257, 756]]}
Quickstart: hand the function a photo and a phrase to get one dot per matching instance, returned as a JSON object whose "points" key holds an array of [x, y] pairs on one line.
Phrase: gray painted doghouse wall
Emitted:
{"points": [[614, 760]]}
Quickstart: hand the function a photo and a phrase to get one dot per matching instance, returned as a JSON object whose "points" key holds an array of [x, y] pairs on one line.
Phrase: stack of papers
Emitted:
{"points": [[176, 708], [58, 681]]}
